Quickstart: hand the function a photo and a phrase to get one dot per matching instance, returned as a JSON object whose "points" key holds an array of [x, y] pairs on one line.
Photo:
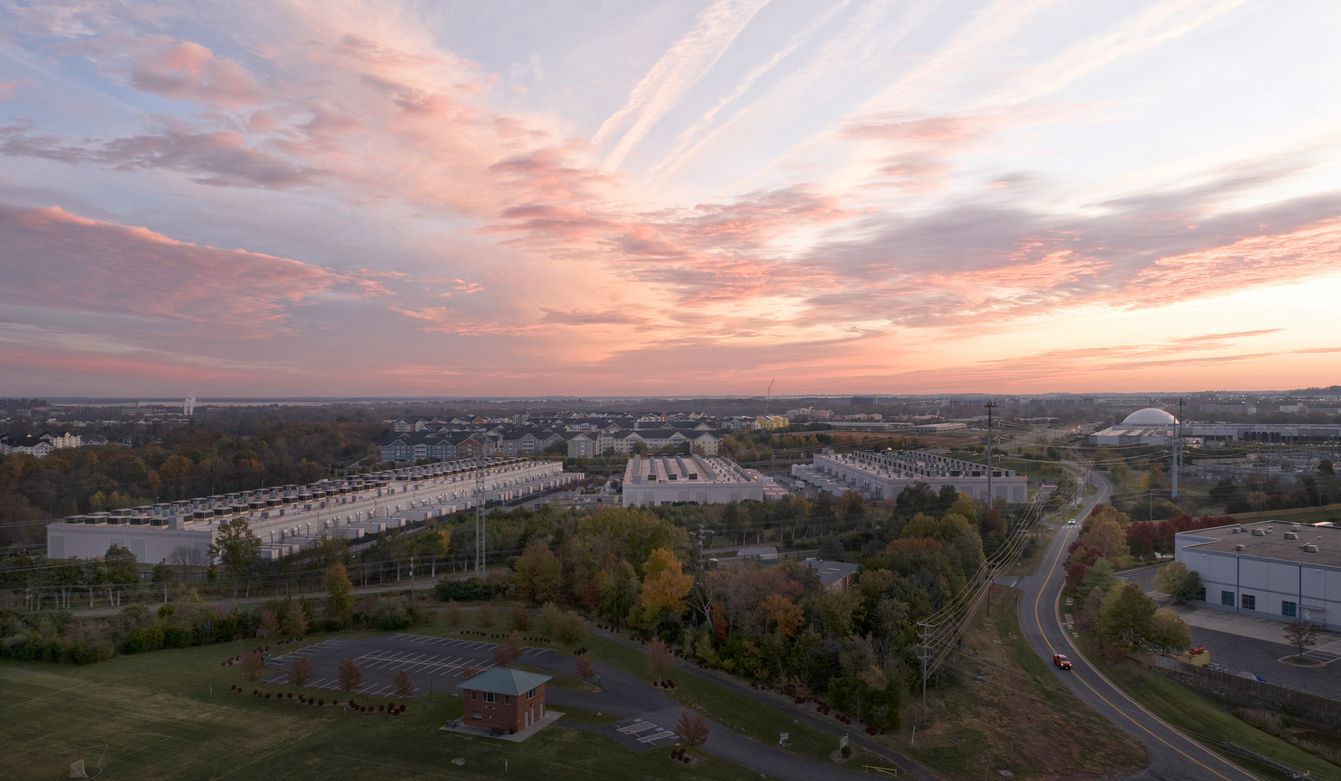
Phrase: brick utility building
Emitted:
{"points": [[509, 700]]}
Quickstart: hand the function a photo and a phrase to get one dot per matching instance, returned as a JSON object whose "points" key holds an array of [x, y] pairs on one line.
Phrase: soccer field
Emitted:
{"points": [[153, 716]]}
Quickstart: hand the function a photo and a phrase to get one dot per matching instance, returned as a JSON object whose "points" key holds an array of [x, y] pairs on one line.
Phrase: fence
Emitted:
{"points": [[1311, 703]]}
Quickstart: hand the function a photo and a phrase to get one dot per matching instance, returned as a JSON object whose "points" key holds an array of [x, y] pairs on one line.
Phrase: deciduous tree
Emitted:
{"points": [[236, 546], [691, 729], [350, 676], [486, 615], [518, 617], [583, 667], [659, 659], [269, 626], [253, 666], [295, 621], [1127, 617], [1301, 634], [1168, 631], [539, 575], [455, 614], [404, 686], [786, 615], [665, 583], [186, 558], [1178, 581], [339, 593], [300, 672], [570, 629]]}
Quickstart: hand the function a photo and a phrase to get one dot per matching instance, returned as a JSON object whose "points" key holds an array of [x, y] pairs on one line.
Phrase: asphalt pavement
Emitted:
{"points": [[1172, 754]]}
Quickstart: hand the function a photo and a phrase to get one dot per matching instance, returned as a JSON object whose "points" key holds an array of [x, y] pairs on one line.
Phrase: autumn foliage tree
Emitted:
{"points": [[514, 644], [692, 729], [486, 615], [350, 676], [659, 659], [665, 585], [269, 626], [784, 614], [339, 594], [583, 667], [502, 656], [295, 621], [404, 686], [253, 666], [518, 617], [300, 672]]}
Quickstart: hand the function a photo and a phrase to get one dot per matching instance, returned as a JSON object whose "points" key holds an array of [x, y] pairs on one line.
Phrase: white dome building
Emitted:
{"points": [[1150, 416], [1144, 427]]}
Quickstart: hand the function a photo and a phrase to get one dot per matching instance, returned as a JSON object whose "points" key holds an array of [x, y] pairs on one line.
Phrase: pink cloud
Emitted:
{"points": [[189, 71], [57, 260]]}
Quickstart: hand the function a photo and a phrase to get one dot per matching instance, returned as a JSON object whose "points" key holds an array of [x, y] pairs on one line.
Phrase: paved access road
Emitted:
{"points": [[1172, 755]]}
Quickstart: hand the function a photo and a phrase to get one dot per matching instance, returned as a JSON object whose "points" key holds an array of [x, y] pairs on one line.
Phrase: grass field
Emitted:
{"points": [[153, 716], [1200, 716], [1019, 718]]}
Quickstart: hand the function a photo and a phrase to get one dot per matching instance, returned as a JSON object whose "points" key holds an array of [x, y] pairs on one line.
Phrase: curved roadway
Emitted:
{"points": [[1172, 754]]}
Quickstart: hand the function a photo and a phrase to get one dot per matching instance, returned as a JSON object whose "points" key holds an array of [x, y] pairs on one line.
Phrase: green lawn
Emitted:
{"points": [[153, 716], [1201, 716]]}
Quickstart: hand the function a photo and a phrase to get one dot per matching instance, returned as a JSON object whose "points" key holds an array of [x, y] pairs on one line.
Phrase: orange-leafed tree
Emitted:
{"points": [[351, 677], [785, 614], [692, 729], [583, 667], [659, 659]]}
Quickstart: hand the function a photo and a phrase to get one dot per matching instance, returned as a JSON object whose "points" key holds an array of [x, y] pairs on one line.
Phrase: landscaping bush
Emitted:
{"points": [[468, 590]]}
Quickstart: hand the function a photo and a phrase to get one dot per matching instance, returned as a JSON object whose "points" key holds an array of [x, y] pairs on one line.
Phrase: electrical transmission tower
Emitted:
{"points": [[991, 498]]}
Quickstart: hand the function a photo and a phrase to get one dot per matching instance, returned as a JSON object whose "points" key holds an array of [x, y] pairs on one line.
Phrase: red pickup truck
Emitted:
{"points": [[1061, 661]]}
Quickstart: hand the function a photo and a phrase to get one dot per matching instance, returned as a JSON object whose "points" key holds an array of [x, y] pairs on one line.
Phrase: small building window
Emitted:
{"points": [[1289, 609], [1227, 598], [490, 697], [507, 700], [474, 695], [1249, 602], [476, 715], [531, 694], [1201, 594]]}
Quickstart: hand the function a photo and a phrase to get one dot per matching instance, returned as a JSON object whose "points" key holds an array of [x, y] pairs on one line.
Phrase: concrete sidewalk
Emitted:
{"points": [[1256, 628]]}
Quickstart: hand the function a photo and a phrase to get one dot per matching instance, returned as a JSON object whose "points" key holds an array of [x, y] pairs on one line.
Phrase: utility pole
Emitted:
{"points": [[991, 499], [926, 649], [479, 520], [1178, 448]]}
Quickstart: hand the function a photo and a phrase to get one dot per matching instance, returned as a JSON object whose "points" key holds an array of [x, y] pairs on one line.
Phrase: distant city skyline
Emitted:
{"points": [[328, 200]]}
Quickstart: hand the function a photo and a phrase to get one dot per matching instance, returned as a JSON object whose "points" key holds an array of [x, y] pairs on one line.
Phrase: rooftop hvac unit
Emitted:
{"points": [[1239, 548], [1310, 548], [1259, 532], [1291, 536]]}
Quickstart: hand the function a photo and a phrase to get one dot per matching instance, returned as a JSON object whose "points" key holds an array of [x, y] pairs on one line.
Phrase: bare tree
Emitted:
{"points": [[1301, 634], [185, 558]]}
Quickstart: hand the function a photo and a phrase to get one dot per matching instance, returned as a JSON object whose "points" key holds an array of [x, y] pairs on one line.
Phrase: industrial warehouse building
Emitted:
{"points": [[288, 517], [1272, 569], [656, 480], [884, 475], [1153, 426]]}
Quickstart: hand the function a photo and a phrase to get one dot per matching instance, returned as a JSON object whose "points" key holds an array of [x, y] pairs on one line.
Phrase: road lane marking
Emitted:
{"points": [[1039, 621]]}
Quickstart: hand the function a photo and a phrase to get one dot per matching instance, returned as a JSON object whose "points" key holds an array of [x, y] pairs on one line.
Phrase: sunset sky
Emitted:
{"points": [[641, 198]]}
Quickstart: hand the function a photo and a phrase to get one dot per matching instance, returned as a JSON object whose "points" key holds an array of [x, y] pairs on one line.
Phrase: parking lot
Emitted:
{"points": [[433, 663]]}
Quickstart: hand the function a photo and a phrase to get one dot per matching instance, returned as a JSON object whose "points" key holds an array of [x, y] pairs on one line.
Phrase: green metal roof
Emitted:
{"points": [[501, 680]]}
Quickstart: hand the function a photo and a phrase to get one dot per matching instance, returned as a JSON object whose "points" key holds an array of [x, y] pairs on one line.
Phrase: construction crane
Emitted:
{"points": [[769, 395]]}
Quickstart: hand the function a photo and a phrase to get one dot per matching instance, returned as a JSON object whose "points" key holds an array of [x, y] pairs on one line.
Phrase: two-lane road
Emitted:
{"points": [[1172, 755]]}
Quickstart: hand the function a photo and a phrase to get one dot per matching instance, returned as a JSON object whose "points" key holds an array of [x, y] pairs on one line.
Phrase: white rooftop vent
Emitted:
{"points": [[1291, 536], [1237, 530], [1259, 533]]}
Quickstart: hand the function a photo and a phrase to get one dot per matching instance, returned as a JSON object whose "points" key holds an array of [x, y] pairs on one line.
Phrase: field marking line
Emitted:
{"points": [[44, 696], [393, 767]]}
